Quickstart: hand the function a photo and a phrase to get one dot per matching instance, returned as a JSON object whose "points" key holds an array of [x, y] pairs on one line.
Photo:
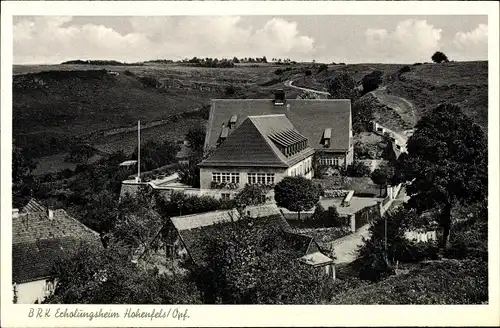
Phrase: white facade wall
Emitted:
{"points": [[301, 168], [30, 292]]}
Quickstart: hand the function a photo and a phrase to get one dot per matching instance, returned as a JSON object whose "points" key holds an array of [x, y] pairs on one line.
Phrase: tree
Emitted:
{"points": [[439, 57], [196, 137], [251, 263], [93, 275], [296, 194], [358, 169], [372, 81], [155, 154], [362, 114], [375, 261], [22, 179], [252, 194], [382, 175], [343, 86], [138, 221], [446, 164]]}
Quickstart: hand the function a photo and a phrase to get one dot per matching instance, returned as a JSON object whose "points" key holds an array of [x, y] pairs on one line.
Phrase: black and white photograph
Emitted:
{"points": [[270, 159]]}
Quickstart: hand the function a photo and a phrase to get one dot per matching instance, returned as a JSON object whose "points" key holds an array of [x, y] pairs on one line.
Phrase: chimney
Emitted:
{"points": [[51, 214], [15, 213], [279, 97], [287, 110]]}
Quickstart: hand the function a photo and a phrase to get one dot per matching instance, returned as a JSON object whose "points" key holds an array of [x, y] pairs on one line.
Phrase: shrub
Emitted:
{"points": [[404, 69], [279, 71], [358, 169], [372, 81], [308, 72], [417, 64], [322, 67], [128, 73], [335, 193], [149, 81]]}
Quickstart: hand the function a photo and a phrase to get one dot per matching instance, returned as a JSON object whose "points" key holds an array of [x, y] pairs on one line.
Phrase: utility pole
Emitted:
{"points": [[139, 151], [385, 240]]}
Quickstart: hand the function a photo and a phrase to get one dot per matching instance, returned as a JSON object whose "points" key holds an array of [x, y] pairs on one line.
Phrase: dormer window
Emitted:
{"points": [[327, 136], [289, 141], [279, 98], [232, 121], [223, 134]]}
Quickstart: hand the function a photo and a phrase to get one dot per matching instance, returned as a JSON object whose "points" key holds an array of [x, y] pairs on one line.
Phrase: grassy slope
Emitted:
{"points": [[76, 100], [464, 84], [79, 103], [436, 282], [425, 86]]}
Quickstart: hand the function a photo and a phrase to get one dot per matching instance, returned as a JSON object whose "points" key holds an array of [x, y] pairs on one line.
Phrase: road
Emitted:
{"points": [[290, 85]]}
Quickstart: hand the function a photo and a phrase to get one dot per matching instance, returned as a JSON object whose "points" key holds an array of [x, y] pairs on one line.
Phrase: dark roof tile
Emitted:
{"points": [[309, 116]]}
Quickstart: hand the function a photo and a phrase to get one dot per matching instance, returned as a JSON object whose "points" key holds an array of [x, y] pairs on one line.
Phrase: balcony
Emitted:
{"points": [[224, 185]]}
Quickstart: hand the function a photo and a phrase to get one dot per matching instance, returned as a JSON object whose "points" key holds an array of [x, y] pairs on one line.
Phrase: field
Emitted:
{"points": [[53, 105]]}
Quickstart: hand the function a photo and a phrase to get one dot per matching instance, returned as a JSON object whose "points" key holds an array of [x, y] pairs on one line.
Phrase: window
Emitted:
{"points": [[226, 196], [226, 177], [261, 178]]}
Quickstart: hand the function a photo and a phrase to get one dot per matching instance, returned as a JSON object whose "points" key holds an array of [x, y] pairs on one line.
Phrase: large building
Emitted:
{"points": [[263, 140]]}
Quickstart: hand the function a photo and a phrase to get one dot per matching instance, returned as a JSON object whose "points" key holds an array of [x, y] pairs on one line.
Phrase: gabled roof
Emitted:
{"points": [[38, 241], [251, 145], [192, 229], [310, 117]]}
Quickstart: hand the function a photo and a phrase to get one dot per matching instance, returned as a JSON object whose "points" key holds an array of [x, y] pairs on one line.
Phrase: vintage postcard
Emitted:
{"points": [[245, 164]]}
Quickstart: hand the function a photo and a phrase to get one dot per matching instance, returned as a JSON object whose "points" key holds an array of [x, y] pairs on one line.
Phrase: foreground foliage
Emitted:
{"points": [[246, 263], [91, 275], [434, 282]]}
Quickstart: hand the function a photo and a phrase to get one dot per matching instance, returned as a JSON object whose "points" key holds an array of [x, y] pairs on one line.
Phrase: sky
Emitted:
{"points": [[348, 39]]}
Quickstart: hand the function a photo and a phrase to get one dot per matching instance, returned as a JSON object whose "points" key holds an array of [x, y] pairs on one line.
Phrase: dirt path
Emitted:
{"points": [[402, 106], [346, 247], [290, 85]]}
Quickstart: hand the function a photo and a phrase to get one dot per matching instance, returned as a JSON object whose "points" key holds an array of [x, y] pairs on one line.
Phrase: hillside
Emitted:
{"points": [[53, 104], [424, 87]]}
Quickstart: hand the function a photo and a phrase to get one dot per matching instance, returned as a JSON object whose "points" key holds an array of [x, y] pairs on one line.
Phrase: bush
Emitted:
{"points": [[335, 193], [404, 69], [322, 67], [443, 282], [358, 169], [308, 72], [372, 81], [149, 81], [279, 71], [417, 64]]}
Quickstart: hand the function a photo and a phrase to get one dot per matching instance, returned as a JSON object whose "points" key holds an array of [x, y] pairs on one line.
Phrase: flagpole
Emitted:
{"points": [[139, 150]]}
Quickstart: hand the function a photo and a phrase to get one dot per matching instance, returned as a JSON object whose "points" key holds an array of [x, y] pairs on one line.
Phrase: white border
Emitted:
{"points": [[238, 316]]}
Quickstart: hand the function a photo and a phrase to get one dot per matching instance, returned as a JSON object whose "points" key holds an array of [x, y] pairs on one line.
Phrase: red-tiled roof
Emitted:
{"points": [[250, 144], [38, 241], [309, 116]]}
